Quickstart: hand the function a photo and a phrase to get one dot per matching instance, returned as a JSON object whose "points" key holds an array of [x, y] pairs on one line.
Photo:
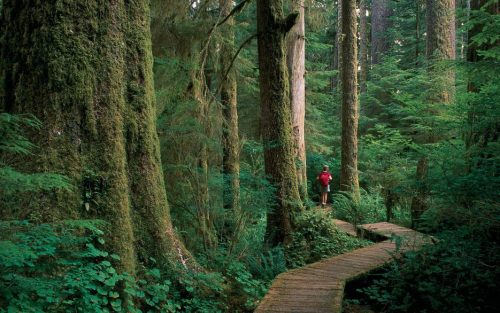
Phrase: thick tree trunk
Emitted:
{"points": [[276, 118], [85, 70], [349, 156], [296, 55], [230, 137], [380, 23], [363, 45]]}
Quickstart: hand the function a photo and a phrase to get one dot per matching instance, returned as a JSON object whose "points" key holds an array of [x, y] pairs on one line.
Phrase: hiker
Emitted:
{"points": [[324, 179]]}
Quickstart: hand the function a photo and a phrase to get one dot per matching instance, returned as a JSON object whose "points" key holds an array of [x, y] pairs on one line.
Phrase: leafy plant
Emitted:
{"points": [[316, 237]]}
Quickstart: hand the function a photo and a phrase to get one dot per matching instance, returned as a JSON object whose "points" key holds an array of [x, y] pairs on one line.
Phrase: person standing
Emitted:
{"points": [[324, 179]]}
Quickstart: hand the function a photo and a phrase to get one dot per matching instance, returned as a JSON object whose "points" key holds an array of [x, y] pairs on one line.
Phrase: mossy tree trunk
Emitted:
{"points": [[276, 118], [296, 56], [230, 136], [349, 155], [440, 47], [379, 23], [85, 70]]}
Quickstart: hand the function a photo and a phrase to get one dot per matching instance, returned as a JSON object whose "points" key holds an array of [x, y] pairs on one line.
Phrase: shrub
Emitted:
{"points": [[316, 237]]}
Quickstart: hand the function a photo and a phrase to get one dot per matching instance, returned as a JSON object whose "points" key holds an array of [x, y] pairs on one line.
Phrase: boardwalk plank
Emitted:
{"points": [[319, 287]]}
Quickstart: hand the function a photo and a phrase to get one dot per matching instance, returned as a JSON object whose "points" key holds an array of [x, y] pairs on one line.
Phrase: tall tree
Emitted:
{"points": [[276, 123], [296, 55], [483, 128], [440, 46], [380, 14], [85, 70], [349, 156], [230, 137], [337, 47], [363, 45]]}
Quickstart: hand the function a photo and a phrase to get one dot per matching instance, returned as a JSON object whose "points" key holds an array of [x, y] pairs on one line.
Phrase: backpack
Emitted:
{"points": [[324, 178]]}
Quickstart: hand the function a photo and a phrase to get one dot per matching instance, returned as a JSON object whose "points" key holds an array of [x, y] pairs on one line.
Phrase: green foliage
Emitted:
{"points": [[268, 264], [315, 238], [13, 143], [62, 267], [456, 272], [369, 209]]}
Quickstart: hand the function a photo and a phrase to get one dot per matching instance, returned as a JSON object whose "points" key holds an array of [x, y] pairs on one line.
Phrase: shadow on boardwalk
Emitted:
{"points": [[319, 287]]}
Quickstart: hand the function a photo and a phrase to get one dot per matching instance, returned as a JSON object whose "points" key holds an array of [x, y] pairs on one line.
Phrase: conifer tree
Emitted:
{"points": [[440, 46], [276, 122], [363, 45], [380, 14], [296, 68], [349, 156], [85, 70]]}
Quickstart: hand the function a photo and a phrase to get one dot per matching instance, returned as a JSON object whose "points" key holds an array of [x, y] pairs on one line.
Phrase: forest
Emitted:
{"points": [[167, 155]]}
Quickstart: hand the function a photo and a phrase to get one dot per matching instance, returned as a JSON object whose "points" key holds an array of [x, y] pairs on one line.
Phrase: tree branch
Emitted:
{"points": [[237, 9]]}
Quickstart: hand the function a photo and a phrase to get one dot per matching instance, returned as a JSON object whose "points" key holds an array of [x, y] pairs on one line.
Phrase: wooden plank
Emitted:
{"points": [[319, 287], [345, 227]]}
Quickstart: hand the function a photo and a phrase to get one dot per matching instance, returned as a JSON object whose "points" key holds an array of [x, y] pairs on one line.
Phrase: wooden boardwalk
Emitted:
{"points": [[319, 287]]}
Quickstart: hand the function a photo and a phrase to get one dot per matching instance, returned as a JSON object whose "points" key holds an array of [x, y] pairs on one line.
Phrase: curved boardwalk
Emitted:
{"points": [[319, 287]]}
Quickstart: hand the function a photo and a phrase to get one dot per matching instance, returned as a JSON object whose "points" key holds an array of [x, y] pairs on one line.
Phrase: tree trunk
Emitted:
{"points": [[380, 23], [337, 53], [296, 54], [440, 46], [85, 70], [440, 28], [363, 53], [349, 156], [231, 142], [276, 118], [417, 32]]}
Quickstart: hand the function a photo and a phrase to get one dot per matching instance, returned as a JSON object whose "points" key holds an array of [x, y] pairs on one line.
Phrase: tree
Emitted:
{"points": [[363, 45], [276, 118], [296, 69], [483, 129], [440, 46], [337, 51], [85, 70], [380, 24], [349, 155]]}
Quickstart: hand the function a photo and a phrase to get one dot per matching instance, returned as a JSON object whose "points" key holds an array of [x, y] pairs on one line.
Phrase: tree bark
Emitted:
{"points": [[349, 156], [440, 46], [276, 118], [230, 137], [296, 54], [440, 28], [85, 70], [380, 23], [337, 53], [363, 45]]}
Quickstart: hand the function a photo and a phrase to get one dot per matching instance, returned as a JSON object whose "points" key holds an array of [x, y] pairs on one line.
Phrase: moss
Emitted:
{"points": [[85, 70], [276, 120]]}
